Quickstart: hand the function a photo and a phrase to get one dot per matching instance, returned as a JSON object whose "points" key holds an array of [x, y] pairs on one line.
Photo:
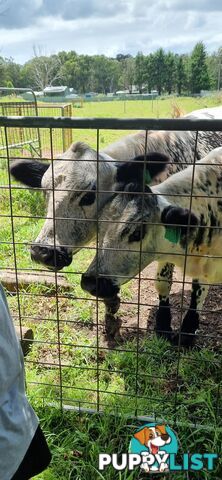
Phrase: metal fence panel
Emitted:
{"points": [[72, 363], [30, 141]]}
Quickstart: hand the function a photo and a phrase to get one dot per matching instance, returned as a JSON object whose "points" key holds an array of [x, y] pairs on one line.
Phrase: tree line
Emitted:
{"points": [[166, 72]]}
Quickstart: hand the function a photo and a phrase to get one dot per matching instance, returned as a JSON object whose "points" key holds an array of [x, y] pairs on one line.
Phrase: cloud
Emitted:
{"points": [[28, 13], [99, 27], [193, 5], [74, 9], [18, 15]]}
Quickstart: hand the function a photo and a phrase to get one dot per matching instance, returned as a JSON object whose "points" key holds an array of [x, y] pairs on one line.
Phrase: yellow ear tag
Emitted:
{"points": [[173, 234]]}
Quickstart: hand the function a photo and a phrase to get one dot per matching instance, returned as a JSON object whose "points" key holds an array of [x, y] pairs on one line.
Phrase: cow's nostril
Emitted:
{"points": [[41, 253]]}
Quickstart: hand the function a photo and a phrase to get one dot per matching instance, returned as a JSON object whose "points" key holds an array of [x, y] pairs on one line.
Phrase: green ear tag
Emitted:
{"points": [[148, 178], [173, 234]]}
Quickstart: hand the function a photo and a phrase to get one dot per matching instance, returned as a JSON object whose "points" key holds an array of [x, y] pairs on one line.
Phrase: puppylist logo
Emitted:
{"points": [[154, 448], [154, 444]]}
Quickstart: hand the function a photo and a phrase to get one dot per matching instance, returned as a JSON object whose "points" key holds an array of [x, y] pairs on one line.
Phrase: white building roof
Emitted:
{"points": [[59, 89]]}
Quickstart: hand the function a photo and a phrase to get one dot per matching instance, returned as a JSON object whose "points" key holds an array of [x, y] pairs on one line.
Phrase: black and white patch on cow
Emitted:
{"points": [[170, 231]]}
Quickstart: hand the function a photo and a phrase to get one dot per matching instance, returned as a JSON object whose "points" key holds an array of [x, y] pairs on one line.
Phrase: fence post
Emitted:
{"points": [[66, 111]]}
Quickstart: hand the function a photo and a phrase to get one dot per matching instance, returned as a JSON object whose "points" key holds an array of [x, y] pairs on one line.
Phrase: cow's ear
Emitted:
{"points": [[178, 222], [29, 172], [142, 169]]}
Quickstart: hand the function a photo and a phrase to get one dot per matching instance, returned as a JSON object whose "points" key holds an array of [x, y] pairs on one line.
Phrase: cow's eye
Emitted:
{"points": [[138, 234], [87, 199]]}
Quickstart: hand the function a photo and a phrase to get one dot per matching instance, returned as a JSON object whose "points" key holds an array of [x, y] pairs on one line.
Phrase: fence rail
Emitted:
{"points": [[178, 124]]}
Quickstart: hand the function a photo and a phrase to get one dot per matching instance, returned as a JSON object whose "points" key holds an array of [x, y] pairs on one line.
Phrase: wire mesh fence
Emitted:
{"points": [[62, 138], [87, 352], [27, 141], [31, 141]]}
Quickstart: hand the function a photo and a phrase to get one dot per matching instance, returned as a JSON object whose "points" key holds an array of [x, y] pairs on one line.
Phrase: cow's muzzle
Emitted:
{"points": [[99, 286], [54, 258]]}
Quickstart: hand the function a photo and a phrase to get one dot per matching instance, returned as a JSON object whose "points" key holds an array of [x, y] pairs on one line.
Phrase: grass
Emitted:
{"points": [[150, 383], [76, 441], [161, 107]]}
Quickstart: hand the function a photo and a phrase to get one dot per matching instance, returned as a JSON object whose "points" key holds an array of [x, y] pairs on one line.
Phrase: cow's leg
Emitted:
{"points": [[163, 286], [190, 324]]}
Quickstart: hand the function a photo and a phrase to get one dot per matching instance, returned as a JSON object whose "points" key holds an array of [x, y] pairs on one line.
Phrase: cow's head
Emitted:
{"points": [[135, 228], [70, 185]]}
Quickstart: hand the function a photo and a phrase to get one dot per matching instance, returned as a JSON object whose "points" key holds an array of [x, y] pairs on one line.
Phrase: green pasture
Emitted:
{"points": [[82, 363], [160, 107], [164, 107]]}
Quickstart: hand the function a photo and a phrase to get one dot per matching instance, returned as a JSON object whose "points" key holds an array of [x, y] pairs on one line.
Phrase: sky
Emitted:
{"points": [[107, 27]]}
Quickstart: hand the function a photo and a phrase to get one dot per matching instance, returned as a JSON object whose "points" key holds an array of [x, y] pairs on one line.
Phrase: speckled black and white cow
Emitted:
{"points": [[75, 202], [163, 224]]}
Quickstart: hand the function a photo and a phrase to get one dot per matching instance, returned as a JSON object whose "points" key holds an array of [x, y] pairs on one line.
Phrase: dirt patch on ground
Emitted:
{"points": [[210, 333], [136, 322]]}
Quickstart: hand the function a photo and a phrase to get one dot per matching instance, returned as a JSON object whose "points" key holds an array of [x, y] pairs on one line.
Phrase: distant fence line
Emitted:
{"points": [[96, 98], [105, 98]]}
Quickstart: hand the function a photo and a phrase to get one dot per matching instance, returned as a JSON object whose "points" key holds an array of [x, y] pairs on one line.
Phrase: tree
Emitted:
{"points": [[84, 73], [114, 69], [163, 71], [181, 76], [13, 72], [120, 57], [140, 70], [219, 68], [9, 84], [214, 65], [3, 76], [42, 71], [159, 70], [199, 79], [128, 73], [169, 72], [106, 73], [69, 68]]}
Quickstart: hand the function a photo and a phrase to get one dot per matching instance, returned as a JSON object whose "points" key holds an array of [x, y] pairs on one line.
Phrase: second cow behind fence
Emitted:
{"points": [[75, 200], [178, 221]]}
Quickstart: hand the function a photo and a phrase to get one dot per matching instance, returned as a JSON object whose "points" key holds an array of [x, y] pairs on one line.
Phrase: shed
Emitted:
{"points": [[56, 91]]}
